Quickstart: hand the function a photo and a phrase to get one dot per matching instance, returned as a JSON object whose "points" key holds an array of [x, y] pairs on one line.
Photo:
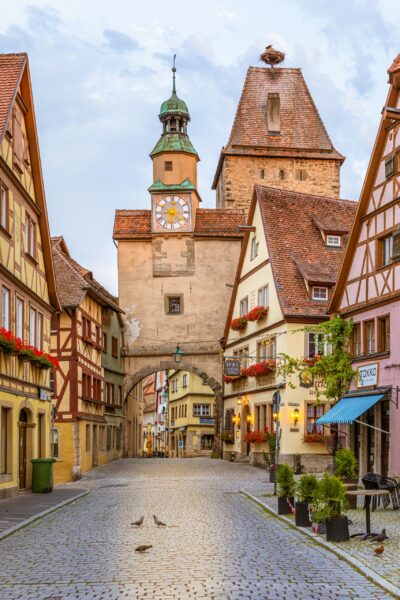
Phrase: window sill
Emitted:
{"points": [[373, 355]]}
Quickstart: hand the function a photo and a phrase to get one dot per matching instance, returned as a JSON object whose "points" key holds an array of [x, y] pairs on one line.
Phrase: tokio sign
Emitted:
{"points": [[232, 367], [367, 375]]}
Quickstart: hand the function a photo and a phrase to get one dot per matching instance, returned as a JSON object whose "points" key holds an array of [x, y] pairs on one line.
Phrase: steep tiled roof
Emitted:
{"points": [[301, 127], [74, 281], [329, 224], [136, 224], [296, 249], [11, 68]]}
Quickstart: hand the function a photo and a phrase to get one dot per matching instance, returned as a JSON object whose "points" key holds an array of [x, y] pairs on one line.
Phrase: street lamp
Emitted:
{"points": [[177, 355]]}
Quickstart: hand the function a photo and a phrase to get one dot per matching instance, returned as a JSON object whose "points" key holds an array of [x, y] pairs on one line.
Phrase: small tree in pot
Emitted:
{"points": [[332, 494], [346, 468], [286, 488], [306, 490]]}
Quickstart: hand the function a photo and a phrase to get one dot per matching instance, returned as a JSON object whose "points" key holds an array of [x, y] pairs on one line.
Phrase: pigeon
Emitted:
{"points": [[379, 549], [139, 522], [143, 548], [381, 536], [158, 522]]}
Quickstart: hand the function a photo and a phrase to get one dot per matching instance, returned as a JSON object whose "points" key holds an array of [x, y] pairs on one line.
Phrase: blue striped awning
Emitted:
{"points": [[348, 409]]}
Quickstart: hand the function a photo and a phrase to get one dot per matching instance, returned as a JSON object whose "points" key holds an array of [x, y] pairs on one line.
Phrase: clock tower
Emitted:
{"points": [[174, 196]]}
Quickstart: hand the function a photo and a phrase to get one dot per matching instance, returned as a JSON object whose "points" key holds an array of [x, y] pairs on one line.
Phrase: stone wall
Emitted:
{"points": [[239, 174], [312, 463]]}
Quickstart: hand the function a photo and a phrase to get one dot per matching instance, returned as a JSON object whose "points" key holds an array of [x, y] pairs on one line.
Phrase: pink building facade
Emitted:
{"points": [[368, 291]]}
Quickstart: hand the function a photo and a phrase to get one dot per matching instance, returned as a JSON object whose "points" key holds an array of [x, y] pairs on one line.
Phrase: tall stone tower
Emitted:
{"points": [[277, 139], [176, 262]]}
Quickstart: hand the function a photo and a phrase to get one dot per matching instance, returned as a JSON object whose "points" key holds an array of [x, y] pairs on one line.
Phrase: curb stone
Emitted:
{"points": [[354, 562], [7, 532]]}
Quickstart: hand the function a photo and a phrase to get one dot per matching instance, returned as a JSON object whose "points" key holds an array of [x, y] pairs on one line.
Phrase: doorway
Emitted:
{"points": [[23, 422], [95, 447], [246, 428]]}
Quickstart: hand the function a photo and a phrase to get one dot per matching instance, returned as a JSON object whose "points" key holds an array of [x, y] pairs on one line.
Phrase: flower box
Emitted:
{"points": [[239, 324], [257, 436], [314, 438], [257, 314], [265, 367], [8, 342], [310, 361]]}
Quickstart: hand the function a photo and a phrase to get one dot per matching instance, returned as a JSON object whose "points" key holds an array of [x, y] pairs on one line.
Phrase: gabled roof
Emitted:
{"points": [[302, 132], [210, 222], [391, 101], [298, 255], [14, 79], [74, 281]]}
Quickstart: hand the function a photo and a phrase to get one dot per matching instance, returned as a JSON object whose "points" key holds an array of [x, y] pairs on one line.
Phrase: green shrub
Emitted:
{"points": [[345, 464], [331, 493], [306, 487], [285, 481]]}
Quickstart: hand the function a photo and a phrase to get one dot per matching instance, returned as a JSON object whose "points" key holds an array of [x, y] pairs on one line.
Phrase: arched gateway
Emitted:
{"points": [[176, 264]]}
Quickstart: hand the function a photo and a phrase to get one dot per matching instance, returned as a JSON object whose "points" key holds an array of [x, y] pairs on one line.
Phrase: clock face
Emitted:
{"points": [[172, 213]]}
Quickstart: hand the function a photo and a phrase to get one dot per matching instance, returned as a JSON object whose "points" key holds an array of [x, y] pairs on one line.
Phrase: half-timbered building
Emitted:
{"points": [[27, 285], [368, 291], [83, 436]]}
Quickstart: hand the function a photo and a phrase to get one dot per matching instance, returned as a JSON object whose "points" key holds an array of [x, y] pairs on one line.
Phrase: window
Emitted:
{"points": [[4, 440], [385, 248], [41, 426], [384, 334], [263, 296], [87, 438], [369, 337], [389, 167], [313, 413], [19, 318], [316, 345], [52, 381], [39, 331], [96, 389], [228, 419], [266, 349], [202, 410], [301, 175], [282, 174], [185, 380], [30, 236], [118, 438], [244, 306], [320, 293], [86, 329], [254, 248], [5, 308], [243, 354], [98, 336], [32, 326], [120, 395], [86, 386], [114, 346], [207, 442], [54, 441], [356, 340], [168, 165], [4, 206], [104, 342], [262, 173], [174, 306], [334, 241]]}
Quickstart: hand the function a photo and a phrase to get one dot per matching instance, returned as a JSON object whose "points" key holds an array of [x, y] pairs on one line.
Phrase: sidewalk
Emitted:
{"points": [[383, 569], [21, 510]]}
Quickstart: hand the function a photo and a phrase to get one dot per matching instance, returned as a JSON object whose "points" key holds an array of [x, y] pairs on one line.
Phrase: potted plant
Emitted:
{"points": [[286, 488], [306, 489], [317, 516], [346, 469], [7, 341], [239, 324], [332, 495]]}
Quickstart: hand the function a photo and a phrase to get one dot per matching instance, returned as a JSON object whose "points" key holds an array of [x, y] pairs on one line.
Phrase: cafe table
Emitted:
{"points": [[368, 494]]}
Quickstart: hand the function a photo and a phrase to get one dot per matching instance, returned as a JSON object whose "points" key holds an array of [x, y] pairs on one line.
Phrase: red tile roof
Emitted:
{"points": [[11, 69], [136, 224], [295, 245]]}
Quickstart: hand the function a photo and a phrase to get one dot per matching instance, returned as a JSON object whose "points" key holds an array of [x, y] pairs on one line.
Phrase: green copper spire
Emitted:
{"points": [[174, 105]]}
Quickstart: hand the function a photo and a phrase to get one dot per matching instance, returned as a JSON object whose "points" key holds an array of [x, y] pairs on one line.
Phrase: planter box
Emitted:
{"points": [[283, 505], [302, 514], [337, 529]]}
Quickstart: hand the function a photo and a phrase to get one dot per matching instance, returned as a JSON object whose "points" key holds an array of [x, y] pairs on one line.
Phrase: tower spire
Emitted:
{"points": [[173, 76]]}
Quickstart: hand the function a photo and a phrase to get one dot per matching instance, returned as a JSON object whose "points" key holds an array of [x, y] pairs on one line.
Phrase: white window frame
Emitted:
{"points": [[202, 410], [244, 306], [316, 295], [39, 330], [263, 296], [319, 344], [334, 241], [32, 325], [5, 307], [19, 317], [254, 248], [3, 206], [184, 380]]}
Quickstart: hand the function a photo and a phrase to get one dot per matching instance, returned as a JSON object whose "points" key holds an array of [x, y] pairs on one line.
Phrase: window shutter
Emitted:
{"points": [[396, 245]]}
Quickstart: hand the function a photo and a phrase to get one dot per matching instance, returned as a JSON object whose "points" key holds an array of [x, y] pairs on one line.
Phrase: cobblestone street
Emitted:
{"points": [[218, 544]]}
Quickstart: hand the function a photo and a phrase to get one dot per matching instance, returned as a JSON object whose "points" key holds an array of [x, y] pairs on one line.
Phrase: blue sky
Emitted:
{"points": [[101, 69]]}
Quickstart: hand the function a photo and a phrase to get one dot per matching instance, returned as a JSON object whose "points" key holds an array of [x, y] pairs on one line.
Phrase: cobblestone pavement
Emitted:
{"points": [[219, 545]]}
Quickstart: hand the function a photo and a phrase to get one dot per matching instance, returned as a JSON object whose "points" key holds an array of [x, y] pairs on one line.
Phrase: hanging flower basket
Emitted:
{"points": [[8, 342], [239, 324], [265, 367], [257, 314]]}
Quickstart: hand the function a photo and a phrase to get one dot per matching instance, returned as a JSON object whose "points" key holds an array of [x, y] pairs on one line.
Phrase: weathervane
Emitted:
{"points": [[173, 75]]}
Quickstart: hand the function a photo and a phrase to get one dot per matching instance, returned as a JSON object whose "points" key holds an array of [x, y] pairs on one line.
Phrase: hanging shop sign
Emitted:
{"points": [[367, 375], [232, 367]]}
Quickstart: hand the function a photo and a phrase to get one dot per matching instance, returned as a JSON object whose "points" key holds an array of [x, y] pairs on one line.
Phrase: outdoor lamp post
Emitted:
{"points": [[239, 401], [177, 355]]}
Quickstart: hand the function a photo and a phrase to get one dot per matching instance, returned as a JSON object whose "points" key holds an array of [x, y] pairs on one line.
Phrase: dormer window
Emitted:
{"points": [[335, 241], [320, 293]]}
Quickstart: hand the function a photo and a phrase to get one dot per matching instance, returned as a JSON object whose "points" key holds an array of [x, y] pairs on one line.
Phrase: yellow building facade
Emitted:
{"points": [[191, 416], [28, 296]]}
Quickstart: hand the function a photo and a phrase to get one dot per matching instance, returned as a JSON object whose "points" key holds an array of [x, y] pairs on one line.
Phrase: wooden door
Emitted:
{"points": [[95, 447], [385, 438]]}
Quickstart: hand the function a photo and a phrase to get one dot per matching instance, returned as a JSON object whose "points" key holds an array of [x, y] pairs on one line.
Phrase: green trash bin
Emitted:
{"points": [[42, 475]]}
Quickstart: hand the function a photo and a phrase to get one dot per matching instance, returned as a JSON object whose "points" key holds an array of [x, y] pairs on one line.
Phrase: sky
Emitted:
{"points": [[100, 70]]}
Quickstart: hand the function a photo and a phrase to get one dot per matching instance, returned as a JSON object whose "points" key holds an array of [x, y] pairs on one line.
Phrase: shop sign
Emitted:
{"points": [[367, 375], [232, 367], [180, 444]]}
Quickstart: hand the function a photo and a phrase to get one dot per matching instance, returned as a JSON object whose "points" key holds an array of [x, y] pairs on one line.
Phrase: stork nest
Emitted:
{"points": [[272, 57]]}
